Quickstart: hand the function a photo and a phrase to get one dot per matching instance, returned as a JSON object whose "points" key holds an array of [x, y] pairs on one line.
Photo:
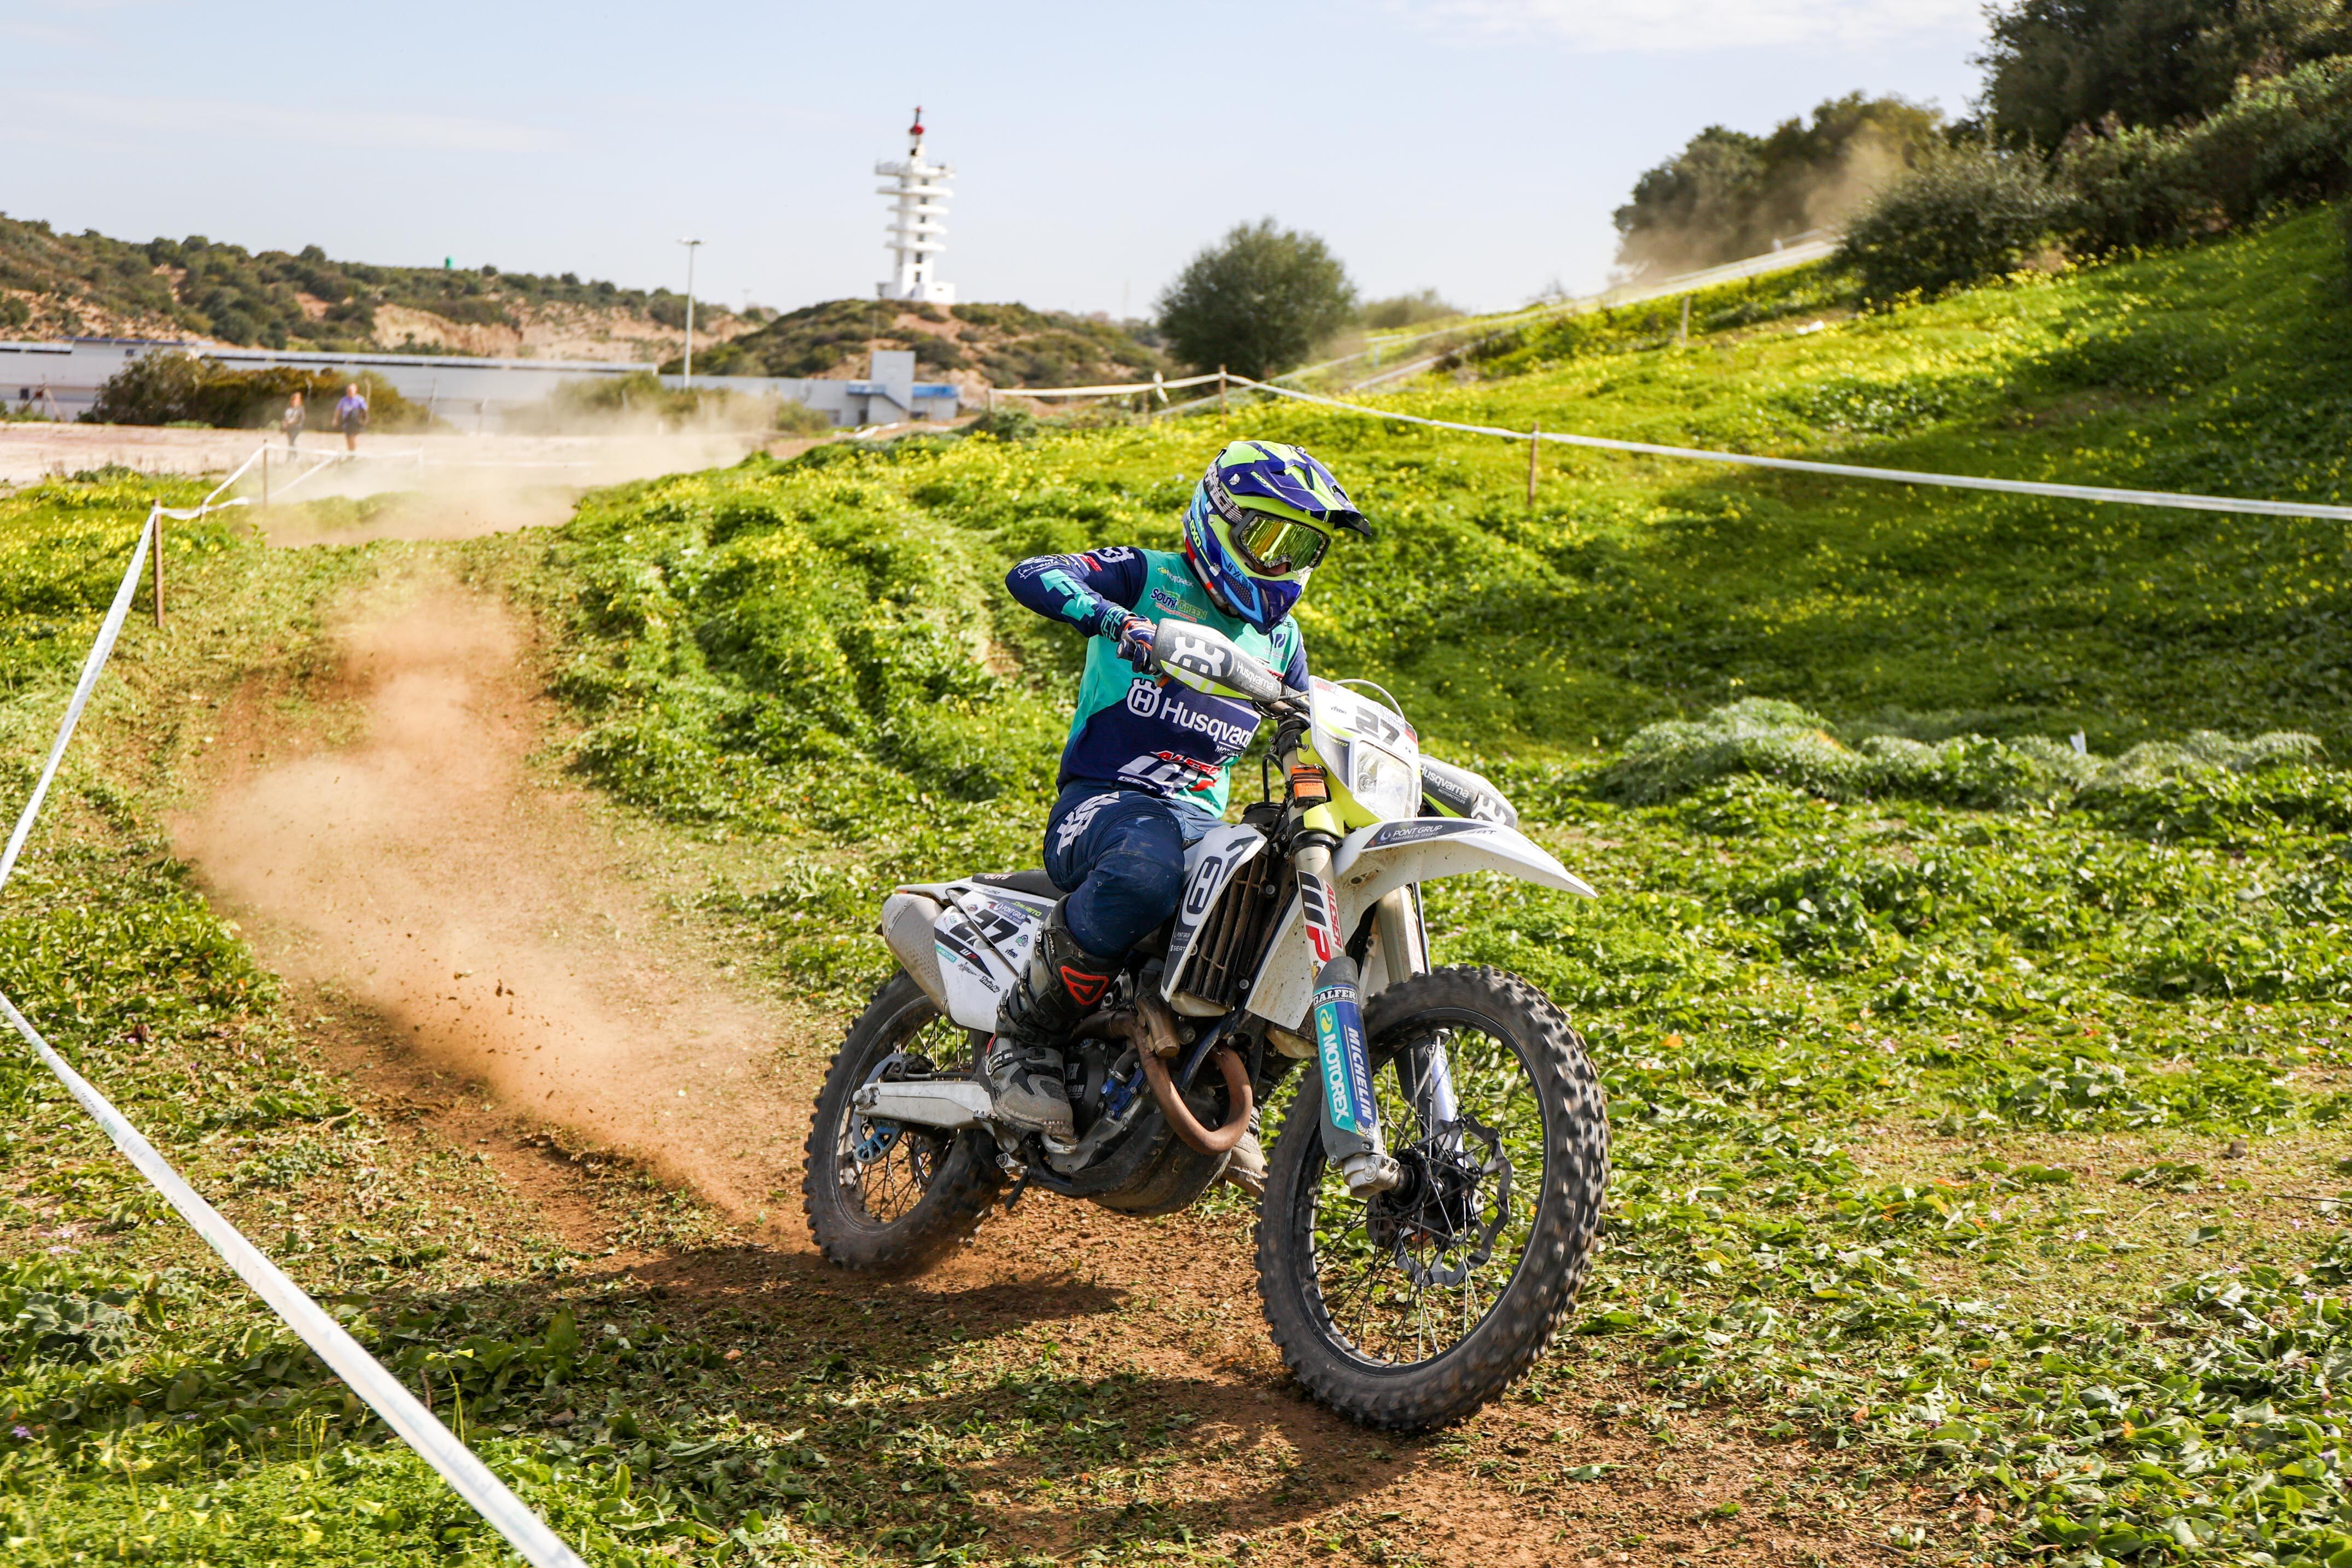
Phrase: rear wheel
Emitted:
{"points": [[882, 1197], [1417, 1307]]}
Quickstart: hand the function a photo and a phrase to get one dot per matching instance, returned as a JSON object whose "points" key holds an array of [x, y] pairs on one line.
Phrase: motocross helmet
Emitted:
{"points": [[1258, 523]]}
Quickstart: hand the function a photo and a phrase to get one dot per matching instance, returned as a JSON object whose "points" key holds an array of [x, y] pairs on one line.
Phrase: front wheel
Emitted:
{"points": [[881, 1197], [1415, 1308]]}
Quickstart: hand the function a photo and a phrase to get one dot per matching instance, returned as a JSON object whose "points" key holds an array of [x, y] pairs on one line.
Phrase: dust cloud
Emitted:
{"points": [[449, 487], [425, 873]]}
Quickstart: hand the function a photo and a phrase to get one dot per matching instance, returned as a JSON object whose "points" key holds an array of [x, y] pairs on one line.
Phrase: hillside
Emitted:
{"points": [[54, 284], [1976, 1102], [994, 345]]}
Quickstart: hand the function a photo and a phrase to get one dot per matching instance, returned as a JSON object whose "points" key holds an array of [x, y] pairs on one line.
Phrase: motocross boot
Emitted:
{"points": [[1060, 985]]}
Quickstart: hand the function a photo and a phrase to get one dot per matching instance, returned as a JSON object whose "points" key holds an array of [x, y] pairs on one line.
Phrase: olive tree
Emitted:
{"points": [[1256, 300]]}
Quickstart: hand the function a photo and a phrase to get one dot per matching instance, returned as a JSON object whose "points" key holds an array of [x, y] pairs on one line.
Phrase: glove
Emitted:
{"points": [[1136, 641]]}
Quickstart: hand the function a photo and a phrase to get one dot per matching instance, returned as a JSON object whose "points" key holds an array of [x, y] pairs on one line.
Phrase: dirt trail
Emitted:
{"points": [[426, 872], [473, 921]]}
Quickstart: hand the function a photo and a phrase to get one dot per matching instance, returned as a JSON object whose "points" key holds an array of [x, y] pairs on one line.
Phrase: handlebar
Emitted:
{"points": [[1184, 648]]}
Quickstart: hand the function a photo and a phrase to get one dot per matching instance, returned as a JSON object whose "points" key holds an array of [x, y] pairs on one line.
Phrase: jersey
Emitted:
{"points": [[1135, 731]]}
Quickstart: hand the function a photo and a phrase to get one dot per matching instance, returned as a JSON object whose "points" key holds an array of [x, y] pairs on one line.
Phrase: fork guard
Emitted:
{"points": [[1373, 861]]}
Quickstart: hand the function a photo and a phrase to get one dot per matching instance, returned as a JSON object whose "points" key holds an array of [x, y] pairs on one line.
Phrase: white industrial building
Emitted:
{"points": [[63, 379]]}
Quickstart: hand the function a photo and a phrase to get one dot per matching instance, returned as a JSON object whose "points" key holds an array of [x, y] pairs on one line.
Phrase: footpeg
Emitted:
{"points": [[1368, 1174], [1245, 1166]]}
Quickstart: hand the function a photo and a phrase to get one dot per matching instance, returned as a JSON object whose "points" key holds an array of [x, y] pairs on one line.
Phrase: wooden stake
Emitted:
{"points": [[1683, 338], [1534, 431], [264, 476], [1221, 391], [159, 570]]}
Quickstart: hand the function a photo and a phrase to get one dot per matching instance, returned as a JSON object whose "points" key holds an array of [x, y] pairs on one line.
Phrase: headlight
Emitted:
{"points": [[1382, 784]]}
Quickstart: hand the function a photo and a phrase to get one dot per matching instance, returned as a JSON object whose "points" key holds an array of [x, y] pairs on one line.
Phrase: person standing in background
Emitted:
{"points": [[352, 416], [293, 419]]}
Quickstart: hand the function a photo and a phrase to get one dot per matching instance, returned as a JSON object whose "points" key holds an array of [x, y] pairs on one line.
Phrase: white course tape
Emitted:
{"points": [[2191, 503], [417, 1426], [1105, 391], [106, 631], [472, 1480]]}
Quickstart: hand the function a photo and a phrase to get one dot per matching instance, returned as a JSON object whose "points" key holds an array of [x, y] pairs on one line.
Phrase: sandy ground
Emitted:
{"points": [[37, 451]]}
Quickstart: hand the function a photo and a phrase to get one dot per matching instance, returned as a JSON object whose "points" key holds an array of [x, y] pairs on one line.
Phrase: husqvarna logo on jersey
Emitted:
{"points": [[1143, 698]]}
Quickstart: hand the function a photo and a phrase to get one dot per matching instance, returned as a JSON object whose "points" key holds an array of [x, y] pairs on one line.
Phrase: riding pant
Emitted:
{"points": [[1120, 854]]}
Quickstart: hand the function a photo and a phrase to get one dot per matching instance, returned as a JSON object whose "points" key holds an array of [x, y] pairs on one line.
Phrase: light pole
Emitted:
{"points": [[689, 244]]}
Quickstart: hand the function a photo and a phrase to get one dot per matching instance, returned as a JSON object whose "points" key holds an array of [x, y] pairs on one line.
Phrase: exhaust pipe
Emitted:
{"points": [[907, 920], [1153, 1032]]}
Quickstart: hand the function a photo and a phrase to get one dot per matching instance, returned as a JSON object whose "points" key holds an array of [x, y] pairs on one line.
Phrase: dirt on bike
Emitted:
{"points": [[1431, 1203]]}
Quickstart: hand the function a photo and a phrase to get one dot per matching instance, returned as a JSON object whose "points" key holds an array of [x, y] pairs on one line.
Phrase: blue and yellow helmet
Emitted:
{"points": [[1260, 519]]}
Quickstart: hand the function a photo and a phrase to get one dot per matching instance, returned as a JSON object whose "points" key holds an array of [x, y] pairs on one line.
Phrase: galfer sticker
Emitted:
{"points": [[1331, 1050], [1316, 903]]}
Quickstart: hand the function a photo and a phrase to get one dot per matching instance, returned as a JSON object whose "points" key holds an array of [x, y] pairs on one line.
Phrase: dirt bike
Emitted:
{"points": [[1431, 1203]]}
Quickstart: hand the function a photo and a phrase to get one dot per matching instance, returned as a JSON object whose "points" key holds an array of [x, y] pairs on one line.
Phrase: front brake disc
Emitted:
{"points": [[1450, 1191]]}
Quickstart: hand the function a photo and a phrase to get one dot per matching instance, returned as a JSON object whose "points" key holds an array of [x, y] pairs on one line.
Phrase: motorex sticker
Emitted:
{"points": [[1346, 1071]]}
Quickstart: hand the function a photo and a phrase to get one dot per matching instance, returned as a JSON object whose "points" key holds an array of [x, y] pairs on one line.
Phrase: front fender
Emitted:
{"points": [[1373, 861]]}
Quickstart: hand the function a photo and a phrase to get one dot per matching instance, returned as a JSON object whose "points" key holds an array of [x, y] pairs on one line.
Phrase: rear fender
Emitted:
{"points": [[1375, 861]]}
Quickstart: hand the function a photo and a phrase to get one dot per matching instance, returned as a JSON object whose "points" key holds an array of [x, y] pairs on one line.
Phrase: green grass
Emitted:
{"points": [[1977, 1103]]}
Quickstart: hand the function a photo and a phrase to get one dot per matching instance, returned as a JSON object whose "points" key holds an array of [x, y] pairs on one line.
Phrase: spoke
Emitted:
{"points": [[1404, 1303]]}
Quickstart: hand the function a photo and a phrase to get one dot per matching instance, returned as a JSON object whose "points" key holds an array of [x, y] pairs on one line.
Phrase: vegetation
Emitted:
{"points": [[1965, 214], [2280, 142], [1729, 194], [1405, 310], [1256, 300], [182, 389], [2110, 125], [2054, 67], [1010, 345], [64, 285], [1978, 1098]]}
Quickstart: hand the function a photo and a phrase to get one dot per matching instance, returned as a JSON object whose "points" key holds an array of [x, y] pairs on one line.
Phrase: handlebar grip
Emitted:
{"points": [[1199, 651]]}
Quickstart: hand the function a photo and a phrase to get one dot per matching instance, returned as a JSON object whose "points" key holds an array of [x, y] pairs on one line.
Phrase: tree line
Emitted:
{"points": [[2100, 126]]}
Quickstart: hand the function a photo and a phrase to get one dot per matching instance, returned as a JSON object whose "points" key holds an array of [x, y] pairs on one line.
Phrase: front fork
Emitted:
{"points": [[1351, 1116]]}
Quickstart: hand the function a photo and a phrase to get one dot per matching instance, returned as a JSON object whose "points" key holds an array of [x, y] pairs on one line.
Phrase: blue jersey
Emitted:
{"points": [[1135, 731]]}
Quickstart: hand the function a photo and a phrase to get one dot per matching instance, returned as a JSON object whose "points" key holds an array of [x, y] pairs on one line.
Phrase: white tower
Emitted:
{"points": [[919, 194]]}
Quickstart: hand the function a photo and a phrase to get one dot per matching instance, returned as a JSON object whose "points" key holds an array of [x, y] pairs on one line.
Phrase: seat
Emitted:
{"points": [[1035, 882]]}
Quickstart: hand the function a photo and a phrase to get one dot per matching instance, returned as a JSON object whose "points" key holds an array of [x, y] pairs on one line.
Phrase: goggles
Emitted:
{"points": [[1277, 546]]}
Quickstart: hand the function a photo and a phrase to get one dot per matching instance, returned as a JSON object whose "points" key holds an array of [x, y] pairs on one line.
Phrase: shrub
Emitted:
{"points": [[2279, 141], [1970, 213]]}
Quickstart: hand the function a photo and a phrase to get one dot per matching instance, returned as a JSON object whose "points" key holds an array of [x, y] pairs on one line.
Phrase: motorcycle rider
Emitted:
{"points": [[1146, 770]]}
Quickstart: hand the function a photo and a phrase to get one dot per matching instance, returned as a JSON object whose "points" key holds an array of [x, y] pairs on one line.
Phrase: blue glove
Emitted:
{"points": [[1136, 642]]}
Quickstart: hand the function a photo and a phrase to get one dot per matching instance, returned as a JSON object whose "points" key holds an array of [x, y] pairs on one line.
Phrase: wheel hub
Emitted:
{"points": [[1433, 1213]]}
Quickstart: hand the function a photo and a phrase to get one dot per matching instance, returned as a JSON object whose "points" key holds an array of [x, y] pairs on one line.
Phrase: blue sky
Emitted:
{"points": [[1473, 146]]}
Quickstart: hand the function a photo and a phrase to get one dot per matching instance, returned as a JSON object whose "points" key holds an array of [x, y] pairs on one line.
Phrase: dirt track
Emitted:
{"points": [[490, 954]]}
